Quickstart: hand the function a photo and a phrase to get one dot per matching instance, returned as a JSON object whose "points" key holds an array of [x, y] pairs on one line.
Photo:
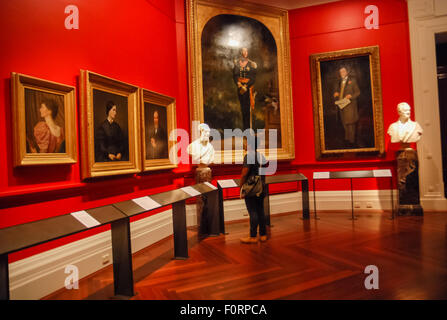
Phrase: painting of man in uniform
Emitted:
{"points": [[156, 138], [110, 116], [45, 122], [239, 75], [347, 103]]}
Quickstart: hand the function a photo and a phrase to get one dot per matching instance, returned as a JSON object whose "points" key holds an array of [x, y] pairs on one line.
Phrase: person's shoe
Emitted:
{"points": [[263, 238], [249, 240]]}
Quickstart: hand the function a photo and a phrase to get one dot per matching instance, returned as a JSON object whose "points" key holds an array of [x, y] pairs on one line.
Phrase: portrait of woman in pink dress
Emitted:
{"points": [[48, 136]]}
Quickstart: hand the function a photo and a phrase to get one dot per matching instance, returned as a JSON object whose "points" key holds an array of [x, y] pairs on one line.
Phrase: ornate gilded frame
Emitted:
{"points": [[20, 82], [168, 103], [199, 12], [88, 82], [376, 92]]}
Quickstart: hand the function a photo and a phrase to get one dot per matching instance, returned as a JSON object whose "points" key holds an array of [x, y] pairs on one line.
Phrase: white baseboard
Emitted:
{"points": [[44, 273], [326, 200], [434, 204], [363, 200]]}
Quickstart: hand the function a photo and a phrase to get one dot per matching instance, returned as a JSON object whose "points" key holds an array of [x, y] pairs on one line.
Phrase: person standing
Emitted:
{"points": [[253, 160], [347, 88], [244, 76]]}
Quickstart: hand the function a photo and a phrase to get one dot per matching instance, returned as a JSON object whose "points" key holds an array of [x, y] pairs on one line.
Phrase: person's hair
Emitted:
{"points": [[343, 67], [109, 106], [52, 106], [249, 141]]}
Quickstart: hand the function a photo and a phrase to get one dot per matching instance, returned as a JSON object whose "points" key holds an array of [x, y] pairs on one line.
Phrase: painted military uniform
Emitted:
{"points": [[244, 73]]}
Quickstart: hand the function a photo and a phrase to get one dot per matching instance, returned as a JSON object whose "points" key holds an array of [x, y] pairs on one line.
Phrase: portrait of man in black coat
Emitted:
{"points": [[349, 112], [346, 93], [157, 144]]}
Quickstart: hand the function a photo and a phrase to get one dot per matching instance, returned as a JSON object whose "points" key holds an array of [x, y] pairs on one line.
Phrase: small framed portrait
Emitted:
{"points": [[44, 129], [347, 102], [157, 122], [110, 125]]}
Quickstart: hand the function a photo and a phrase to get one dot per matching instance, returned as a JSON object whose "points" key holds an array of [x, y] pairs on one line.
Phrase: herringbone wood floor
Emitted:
{"points": [[316, 259]]}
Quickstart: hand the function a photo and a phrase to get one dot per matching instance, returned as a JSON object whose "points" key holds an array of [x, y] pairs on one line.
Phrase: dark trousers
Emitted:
{"points": [[350, 132], [244, 100], [255, 207]]}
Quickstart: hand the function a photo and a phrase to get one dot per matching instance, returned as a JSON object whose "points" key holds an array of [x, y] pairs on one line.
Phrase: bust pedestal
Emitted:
{"points": [[408, 181], [203, 174]]}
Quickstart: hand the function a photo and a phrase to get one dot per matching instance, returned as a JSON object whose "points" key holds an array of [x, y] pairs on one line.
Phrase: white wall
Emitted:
{"points": [[426, 18]]}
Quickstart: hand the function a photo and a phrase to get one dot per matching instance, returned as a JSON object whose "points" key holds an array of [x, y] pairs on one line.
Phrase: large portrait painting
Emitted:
{"points": [[44, 121], [240, 74], [110, 126], [347, 99], [158, 121]]}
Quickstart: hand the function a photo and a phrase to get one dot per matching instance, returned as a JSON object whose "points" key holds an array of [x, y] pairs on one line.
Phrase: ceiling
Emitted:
{"points": [[291, 4]]}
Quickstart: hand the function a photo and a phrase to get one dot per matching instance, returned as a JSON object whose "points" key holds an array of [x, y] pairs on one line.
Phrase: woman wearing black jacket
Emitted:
{"points": [[253, 160], [110, 141]]}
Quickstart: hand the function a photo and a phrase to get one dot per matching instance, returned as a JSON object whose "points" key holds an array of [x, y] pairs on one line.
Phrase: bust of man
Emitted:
{"points": [[201, 150], [404, 130]]}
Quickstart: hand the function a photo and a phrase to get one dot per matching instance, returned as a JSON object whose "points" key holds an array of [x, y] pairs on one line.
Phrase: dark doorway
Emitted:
{"points": [[441, 58]]}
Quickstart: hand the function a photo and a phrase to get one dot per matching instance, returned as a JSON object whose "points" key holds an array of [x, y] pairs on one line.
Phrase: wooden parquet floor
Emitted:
{"points": [[315, 259]]}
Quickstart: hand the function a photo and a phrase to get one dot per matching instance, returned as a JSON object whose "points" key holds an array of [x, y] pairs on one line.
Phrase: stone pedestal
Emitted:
{"points": [[408, 182], [203, 174]]}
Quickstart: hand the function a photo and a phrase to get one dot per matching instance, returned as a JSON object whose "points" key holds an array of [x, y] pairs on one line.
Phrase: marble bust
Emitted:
{"points": [[202, 153], [407, 131], [201, 150], [404, 130]]}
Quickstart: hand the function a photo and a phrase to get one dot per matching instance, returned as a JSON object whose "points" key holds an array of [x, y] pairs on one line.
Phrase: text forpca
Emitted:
{"points": [[233, 309]]}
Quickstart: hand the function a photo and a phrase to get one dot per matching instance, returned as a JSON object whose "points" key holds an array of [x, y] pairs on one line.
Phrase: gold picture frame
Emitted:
{"points": [[158, 151], [44, 121], [109, 147], [275, 20], [352, 127]]}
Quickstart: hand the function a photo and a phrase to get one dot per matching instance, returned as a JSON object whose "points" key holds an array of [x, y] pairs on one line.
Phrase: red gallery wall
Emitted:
{"points": [[143, 42], [135, 42], [338, 26]]}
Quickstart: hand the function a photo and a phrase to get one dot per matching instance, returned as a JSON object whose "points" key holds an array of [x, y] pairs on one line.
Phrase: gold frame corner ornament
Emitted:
{"points": [[199, 12]]}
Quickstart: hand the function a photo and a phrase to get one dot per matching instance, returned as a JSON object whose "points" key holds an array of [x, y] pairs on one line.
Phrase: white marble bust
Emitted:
{"points": [[201, 150], [404, 130]]}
